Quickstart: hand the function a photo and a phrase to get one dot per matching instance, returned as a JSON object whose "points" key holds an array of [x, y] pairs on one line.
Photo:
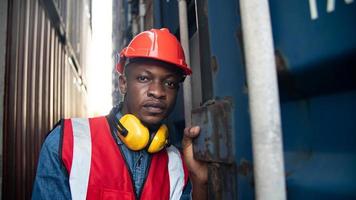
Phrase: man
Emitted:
{"points": [[125, 155]]}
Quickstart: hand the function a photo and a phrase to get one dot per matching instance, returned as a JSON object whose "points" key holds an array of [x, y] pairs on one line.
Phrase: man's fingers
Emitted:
{"points": [[192, 132], [189, 134], [197, 169]]}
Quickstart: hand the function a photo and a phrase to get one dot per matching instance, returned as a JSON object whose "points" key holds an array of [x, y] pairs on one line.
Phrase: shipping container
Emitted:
{"points": [[44, 81], [315, 61]]}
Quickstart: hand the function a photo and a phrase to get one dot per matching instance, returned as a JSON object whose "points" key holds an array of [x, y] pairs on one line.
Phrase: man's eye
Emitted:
{"points": [[171, 84], [142, 78]]}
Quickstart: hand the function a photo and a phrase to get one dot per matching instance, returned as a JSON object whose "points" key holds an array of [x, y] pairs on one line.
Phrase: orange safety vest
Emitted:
{"points": [[97, 169]]}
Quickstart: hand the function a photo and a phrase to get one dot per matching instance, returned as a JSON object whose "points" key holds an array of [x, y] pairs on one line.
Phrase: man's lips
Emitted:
{"points": [[154, 107]]}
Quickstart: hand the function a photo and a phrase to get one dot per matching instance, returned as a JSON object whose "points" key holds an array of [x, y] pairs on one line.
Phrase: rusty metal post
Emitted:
{"points": [[184, 39], [263, 100]]}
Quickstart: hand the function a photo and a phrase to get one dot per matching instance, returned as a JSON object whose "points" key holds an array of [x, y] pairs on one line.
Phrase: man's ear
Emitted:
{"points": [[122, 84]]}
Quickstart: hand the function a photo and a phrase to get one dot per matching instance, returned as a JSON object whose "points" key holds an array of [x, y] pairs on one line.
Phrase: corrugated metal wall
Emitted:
{"points": [[43, 83], [3, 31]]}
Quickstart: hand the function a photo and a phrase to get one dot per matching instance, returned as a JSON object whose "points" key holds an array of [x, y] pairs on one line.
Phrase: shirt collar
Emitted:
{"points": [[116, 111]]}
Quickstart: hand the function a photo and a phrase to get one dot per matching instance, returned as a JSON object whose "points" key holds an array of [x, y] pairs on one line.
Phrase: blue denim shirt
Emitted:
{"points": [[52, 180]]}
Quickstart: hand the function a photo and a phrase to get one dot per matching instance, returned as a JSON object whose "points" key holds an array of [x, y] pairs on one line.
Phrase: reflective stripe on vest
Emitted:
{"points": [[176, 169], [97, 169], [79, 176]]}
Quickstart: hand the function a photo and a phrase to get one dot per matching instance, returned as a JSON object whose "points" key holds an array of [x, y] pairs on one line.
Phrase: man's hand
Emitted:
{"points": [[198, 170]]}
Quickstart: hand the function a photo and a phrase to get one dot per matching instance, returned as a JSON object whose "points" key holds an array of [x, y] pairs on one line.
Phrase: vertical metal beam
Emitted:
{"points": [[184, 39], [263, 100], [157, 20], [202, 20]]}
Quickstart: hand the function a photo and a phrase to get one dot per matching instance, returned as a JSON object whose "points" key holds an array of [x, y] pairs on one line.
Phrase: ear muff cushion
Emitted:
{"points": [[137, 136], [160, 140]]}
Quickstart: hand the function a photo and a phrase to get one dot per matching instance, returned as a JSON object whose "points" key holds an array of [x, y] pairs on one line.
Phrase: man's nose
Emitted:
{"points": [[156, 90]]}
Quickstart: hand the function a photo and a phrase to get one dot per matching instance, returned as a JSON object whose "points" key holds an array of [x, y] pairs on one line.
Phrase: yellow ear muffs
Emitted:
{"points": [[160, 140], [136, 136]]}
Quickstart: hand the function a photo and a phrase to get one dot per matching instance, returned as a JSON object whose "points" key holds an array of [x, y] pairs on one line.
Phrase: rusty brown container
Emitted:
{"points": [[44, 82]]}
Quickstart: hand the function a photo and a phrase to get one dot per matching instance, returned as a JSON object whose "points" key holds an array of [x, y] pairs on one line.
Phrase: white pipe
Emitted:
{"points": [[263, 100], [142, 13], [184, 39], [135, 28]]}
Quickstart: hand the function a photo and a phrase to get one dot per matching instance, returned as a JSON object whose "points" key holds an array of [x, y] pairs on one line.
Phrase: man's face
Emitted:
{"points": [[150, 90]]}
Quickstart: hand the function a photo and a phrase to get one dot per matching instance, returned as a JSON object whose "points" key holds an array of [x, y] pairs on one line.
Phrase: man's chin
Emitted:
{"points": [[152, 121]]}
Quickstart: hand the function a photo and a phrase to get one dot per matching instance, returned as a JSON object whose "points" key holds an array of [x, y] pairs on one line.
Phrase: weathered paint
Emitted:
{"points": [[215, 121]]}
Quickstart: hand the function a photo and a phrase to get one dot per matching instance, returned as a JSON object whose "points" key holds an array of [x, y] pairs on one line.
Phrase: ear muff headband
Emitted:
{"points": [[136, 136]]}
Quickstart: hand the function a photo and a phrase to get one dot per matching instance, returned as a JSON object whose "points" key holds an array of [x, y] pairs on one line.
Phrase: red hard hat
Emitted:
{"points": [[158, 44]]}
